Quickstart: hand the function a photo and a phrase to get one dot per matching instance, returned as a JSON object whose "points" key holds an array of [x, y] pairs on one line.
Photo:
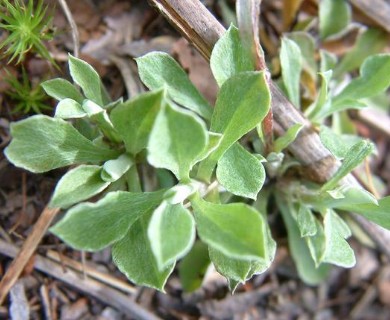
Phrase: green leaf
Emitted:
{"points": [[369, 42], [94, 226], [180, 192], [300, 251], [115, 169], [355, 155], [171, 233], [322, 102], [242, 103], [228, 56], [337, 250], [291, 64], [68, 109], [158, 69], [41, 143], [380, 214], [328, 61], [178, 137], [193, 267], [134, 119], [62, 89], [355, 196], [88, 79], [335, 15], [214, 141], [337, 144], [307, 46], [284, 141], [374, 78], [240, 172], [231, 269], [134, 257], [316, 243], [236, 229], [238, 271], [77, 185], [99, 116], [306, 221]]}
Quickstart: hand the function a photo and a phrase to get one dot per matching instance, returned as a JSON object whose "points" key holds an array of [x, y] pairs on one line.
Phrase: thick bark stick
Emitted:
{"points": [[203, 30]]}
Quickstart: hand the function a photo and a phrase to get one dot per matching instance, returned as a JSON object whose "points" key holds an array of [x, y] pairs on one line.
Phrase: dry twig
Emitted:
{"points": [[91, 287]]}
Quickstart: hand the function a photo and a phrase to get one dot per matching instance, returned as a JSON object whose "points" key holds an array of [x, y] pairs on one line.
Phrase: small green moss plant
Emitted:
{"points": [[27, 28], [27, 97], [208, 199]]}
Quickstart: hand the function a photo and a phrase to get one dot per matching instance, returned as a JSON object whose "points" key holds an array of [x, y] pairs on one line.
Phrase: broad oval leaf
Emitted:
{"points": [[134, 257], [335, 15], [228, 56], [41, 143], [77, 185], [178, 137], [291, 64], [236, 229], [159, 69], [134, 119], [94, 226], [240, 172], [62, 89], [171, 233], [242, 103], [69, 109]]}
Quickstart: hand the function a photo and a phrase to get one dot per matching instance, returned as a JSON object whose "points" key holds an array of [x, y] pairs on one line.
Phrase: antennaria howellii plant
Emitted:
{"points": [[216, 209]]}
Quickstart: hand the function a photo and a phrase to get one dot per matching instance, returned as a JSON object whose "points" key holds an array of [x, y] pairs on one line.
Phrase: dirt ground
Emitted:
{"points": [[61, 283]]}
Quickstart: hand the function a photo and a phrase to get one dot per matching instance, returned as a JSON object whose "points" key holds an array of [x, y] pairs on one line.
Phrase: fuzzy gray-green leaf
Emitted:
{"points": [[228, 56], [337, 249], [69, 109], [374, 78], [235, 229], [177, 139], [77, 185], [355, 155], [88, 79], [134, 119], [158, 69], [94, 226], [41, 143], [171, 233], [242, 103], [291, 64], [335, 15], [61, 89], [240, 172], [134, 257]]}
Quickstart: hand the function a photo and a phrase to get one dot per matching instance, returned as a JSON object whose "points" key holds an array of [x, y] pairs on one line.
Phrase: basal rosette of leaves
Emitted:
{"points": [[190, 147]]}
